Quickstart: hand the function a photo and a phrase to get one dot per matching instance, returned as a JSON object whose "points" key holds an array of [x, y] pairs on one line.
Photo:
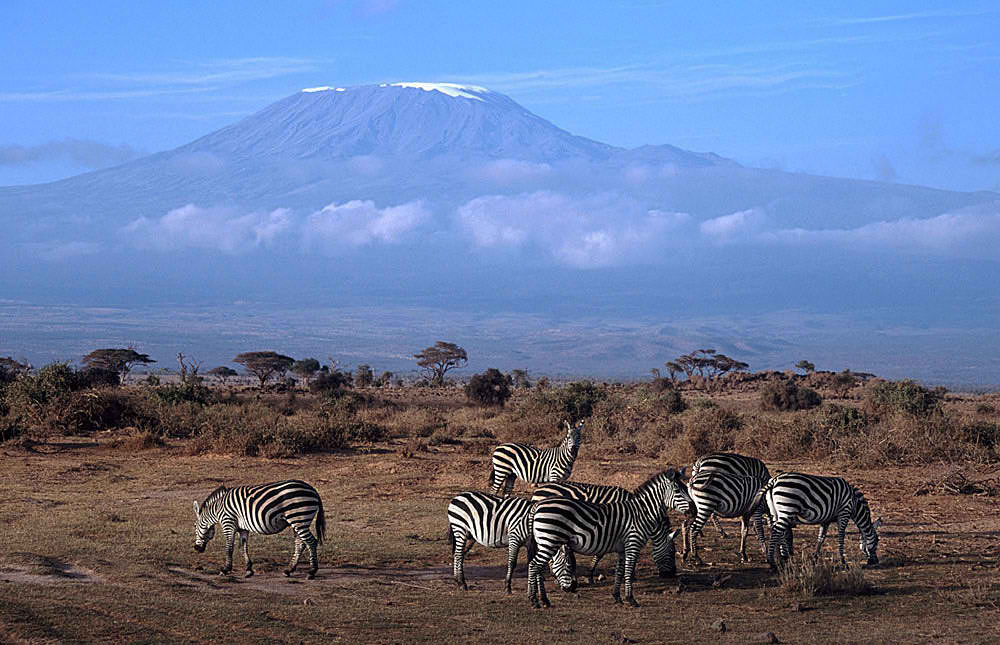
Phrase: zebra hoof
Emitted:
{"points": [[311, 575], [618, 599], [287, 572], [225, 572], [668, 574], [632, 602], [248, 574]]}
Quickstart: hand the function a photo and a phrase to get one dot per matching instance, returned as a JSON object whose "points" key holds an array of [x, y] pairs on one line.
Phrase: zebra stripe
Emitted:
{"points": [[732, 463], [797, 498], [494, 522], [264, 509], [513, 460], [728, 495], [596, 529], [664, 551]]}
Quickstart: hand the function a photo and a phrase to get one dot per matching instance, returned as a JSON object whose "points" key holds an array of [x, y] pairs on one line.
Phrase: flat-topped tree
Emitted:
{"points": [[119, 361], [264, 365], [436, 361], [222, 373], [306, 368]]}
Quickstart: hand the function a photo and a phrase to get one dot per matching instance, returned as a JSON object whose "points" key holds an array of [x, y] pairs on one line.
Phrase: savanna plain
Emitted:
{"points": [[97, 521]]}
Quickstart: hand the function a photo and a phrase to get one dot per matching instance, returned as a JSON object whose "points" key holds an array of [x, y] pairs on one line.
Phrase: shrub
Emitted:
{"points": [[785, 396], [906, 397], [491, 388], [188, 392], [806, 575], [577, 400], [710, 430], [330, 381]]}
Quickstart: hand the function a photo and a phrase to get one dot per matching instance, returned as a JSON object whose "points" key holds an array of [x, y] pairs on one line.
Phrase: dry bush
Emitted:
{"points": [[780, 437], [139, 440], [637, 420], [406, 421], [806, 575]]}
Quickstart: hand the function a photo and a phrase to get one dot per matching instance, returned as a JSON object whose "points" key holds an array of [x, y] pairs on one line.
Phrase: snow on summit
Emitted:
{"points": [[451, 89]]}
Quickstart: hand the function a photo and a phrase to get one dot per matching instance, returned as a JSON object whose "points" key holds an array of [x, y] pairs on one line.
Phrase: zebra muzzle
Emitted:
{"points": [[200, 548]]}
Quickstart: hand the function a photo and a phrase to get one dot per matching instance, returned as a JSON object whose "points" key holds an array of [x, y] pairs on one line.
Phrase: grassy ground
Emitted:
{"points": [[97, 546]]}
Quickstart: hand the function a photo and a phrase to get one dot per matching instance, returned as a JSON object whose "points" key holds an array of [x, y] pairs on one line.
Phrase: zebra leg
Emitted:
{"points": [[694, 531], [593, 569], [508, 487], [230, 533], [299, 544], [631, 558], [820, 537], [718, 527], [619, 578], [777, 538], [244, 545], [841, 532], [460, 535], [311, 542], [758, 523], [744, 531], [513, 546]]}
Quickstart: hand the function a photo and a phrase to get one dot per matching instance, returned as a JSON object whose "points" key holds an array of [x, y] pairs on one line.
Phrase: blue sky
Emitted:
{"points": [[904, 92]]}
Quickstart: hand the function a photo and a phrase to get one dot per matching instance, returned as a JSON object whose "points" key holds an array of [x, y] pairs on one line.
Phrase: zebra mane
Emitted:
{"points": [[651, 483], [214, 495]]}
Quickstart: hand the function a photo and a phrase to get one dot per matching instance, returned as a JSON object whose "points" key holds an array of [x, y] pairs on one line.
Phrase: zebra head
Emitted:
{"points": [[205, 519], [563, 572], [868, 529], [572, 439], [667, 490]]}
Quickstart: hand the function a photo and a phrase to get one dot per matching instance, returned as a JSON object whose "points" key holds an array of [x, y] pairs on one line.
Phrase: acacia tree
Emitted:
{"points": [[436, 361], [305, 368], [264, 365], [119, 361], [806, 366], [222, 373]]}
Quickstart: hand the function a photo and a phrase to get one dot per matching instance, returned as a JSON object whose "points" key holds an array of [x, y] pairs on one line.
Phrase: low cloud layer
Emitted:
{"points": [[89, 154], [588, 231], [596, 231]]}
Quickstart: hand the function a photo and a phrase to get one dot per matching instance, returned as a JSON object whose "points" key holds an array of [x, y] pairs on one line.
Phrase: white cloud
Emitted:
{"points": [[358, 223], [221, 229], [586, 232], [510, 171], [973, 232], [739, 226]]}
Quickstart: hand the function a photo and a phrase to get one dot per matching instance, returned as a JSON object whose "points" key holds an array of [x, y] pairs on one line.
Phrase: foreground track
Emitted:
{"points": [[98, 547]]}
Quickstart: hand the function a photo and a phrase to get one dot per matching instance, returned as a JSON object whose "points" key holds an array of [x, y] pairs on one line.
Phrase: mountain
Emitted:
{"points": [[450, 196]]}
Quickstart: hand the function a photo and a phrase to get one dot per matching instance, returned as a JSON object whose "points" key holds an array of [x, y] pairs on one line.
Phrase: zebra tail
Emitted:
{"points": [[492, 472], [451, 540], [758, 499], [320, 523]]}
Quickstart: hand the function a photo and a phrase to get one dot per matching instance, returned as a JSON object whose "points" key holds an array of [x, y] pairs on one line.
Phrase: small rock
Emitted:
{"points": [[719, 625], [308, 601], [801, 606], [600, 577], [766, 637], [621, 638]]}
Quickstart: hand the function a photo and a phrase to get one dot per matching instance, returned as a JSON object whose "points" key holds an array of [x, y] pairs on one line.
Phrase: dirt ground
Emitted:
{"points": [[97, 546]]}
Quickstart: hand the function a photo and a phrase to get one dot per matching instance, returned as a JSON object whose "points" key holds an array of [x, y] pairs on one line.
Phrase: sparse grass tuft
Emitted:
{"points": [[806, 575]]}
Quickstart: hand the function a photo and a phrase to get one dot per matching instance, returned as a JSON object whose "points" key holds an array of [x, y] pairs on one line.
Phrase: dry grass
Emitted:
{"points": [[806, 576]]}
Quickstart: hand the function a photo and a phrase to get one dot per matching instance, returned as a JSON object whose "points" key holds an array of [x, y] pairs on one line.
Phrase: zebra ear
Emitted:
{"points": [[568, 426], [197, 511]]}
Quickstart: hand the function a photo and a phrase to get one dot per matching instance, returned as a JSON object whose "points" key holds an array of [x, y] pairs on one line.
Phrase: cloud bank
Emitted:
{"points": [[89, 154]]}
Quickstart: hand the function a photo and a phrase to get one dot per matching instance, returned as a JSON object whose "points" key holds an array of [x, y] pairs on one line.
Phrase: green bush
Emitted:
{"points": [[786, 396], [491, 388], [905, 397], [577, 400], [183, 393]]}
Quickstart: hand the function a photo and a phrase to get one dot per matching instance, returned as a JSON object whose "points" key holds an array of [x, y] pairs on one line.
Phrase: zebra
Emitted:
{"points": [[728, 495], [495, 522], [794, 498], [513, 460], [264, 509], [595, 529], [732, 463], [663, 549]]}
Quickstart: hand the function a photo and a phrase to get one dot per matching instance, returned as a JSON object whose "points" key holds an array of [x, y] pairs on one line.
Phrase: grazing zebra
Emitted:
{"points": [[796, 498], [495, 522], [732, 463], [595, 529], [663, 549], [728, 495], [512, 460], [264, 509]]}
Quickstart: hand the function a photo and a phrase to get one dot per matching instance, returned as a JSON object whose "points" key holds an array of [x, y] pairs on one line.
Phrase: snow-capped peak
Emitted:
{"points": [[324, 88], [451, 89]]}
